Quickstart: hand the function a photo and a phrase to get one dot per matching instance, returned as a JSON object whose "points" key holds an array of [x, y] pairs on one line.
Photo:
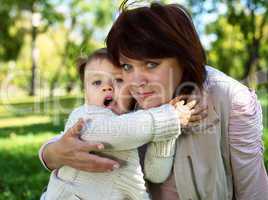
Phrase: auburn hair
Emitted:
{"points": [[158, 31]]}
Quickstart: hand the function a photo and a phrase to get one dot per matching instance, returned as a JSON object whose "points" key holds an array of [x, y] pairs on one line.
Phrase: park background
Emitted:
{"points": [[40, 41]]}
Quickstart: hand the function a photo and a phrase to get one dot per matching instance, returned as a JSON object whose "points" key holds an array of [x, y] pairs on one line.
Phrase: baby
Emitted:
{"points": [[106, 102]]}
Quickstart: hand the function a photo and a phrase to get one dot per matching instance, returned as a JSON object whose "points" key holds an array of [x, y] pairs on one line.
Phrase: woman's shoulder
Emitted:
{"points": [[229, 91], [215, 75], [217, 80]]}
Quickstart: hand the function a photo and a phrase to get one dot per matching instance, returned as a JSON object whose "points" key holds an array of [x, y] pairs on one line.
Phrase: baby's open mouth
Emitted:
{"points": [[108, 101]]}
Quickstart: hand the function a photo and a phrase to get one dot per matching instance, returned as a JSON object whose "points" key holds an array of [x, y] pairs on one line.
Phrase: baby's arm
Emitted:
{"points": [[134, 129], [159, 156], [130, 130], [159, 160]]}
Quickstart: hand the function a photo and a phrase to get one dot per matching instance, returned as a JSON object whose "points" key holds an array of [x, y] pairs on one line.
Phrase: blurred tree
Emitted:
{"points": [[241, 34], [72, 26], [87, 20], [12, 35], [251, 20], [40, 10], [10, 43]]}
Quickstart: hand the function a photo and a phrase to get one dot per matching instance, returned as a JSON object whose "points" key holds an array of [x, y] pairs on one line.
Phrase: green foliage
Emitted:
{"points": [[67, 30], [10, 42], [263, 96], [101, 15], [265, 142], [240, 32], [13, 27], [228, 51]]}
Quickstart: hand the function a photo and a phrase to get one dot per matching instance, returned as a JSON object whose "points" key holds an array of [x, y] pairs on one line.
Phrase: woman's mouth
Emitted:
{"points": [[144, 95]]}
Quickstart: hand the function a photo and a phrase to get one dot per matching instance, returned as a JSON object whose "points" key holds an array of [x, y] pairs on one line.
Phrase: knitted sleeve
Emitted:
{"points": [[134, 129], [159, 160], [126, 131]]}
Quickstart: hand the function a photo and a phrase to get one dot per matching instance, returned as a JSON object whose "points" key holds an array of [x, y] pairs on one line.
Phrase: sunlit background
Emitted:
{"points": [[40, 41]]}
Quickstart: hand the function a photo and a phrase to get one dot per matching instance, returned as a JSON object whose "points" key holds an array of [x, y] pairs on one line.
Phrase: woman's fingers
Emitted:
{"points": [[93, 163], [78, 154], [90, 146], [74, 152], [75, 130]]}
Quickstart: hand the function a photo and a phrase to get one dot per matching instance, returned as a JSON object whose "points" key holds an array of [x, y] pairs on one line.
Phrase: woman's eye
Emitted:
{"points": [[98, 82], [126, 67], [152, 65], [119, 80]]}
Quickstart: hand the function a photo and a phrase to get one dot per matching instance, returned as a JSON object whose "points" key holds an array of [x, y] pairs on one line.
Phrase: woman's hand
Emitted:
{"points": [[70, 150]]}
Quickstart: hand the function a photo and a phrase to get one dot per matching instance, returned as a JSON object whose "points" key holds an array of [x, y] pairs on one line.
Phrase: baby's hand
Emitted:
{"points": [[199, 111], [184, 111]]}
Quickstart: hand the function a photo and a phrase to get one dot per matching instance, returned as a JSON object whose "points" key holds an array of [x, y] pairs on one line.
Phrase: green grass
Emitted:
{"points": [[24, 126], [21, 174]]}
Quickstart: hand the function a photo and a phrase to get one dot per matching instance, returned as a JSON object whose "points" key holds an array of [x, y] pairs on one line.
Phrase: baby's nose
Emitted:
{"points": [[107, 88]]}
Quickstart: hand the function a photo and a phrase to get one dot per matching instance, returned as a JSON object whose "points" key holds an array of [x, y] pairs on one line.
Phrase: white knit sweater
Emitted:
{"points": [[122, 135]]}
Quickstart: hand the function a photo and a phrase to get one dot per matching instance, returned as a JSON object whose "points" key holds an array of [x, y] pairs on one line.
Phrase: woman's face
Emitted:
{"points": [[152, 82]]}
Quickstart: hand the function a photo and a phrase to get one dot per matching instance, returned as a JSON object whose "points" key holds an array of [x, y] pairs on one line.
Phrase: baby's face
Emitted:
{"points": [[104, 86]]}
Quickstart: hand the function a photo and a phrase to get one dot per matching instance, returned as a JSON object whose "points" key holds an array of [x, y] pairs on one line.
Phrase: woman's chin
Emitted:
{"points": [[149, 104]]}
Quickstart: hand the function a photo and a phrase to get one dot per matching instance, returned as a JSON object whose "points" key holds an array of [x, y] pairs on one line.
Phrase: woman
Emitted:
{"points": [[161, 55]]}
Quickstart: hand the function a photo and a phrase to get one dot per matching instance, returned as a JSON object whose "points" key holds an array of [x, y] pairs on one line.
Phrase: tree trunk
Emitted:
{"points": [[32, 91], [252, 63], [64, 59], [69, 87]]}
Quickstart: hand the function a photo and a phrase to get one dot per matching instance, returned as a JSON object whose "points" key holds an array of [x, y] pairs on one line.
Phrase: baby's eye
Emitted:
{"points": [[152, 65], [98, 82], [126, 67]]}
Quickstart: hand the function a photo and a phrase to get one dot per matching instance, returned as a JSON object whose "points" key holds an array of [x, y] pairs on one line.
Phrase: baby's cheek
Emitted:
{"points": [[123, 98], [87, 96]]}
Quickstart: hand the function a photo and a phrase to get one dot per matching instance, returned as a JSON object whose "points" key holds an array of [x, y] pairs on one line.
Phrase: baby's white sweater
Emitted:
{"points": [[122, 135]]}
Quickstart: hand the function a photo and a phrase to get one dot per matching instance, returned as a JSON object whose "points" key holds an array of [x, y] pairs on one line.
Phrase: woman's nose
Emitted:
{"points": [[139, 79]]}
